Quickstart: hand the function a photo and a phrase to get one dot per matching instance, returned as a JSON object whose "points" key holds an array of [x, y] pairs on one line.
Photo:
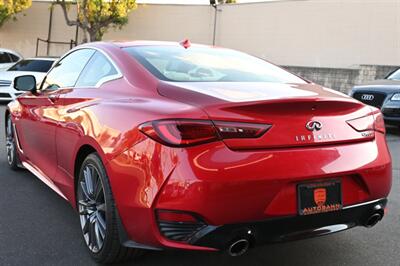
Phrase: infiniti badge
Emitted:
{"points": [[367, 97], [314, 125]]}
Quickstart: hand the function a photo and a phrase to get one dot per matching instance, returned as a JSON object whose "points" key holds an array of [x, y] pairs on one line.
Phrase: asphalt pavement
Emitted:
{"points": [[37, 227]]}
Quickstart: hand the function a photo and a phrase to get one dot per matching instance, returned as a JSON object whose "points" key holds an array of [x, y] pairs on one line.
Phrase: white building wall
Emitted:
{"points": [[315, 33], [319, 33]]}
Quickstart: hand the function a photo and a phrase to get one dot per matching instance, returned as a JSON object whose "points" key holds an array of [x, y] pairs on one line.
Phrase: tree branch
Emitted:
{"points": [[65, 12]]}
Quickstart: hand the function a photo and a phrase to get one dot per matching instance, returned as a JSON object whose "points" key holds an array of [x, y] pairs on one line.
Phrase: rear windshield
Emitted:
{"points": [[395, 75], [202, 64], [32, 65]]}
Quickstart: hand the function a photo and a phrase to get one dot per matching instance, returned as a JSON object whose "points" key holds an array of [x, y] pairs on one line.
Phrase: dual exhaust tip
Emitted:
{"points": [[376, 216], [241, 246], [373, 219]]}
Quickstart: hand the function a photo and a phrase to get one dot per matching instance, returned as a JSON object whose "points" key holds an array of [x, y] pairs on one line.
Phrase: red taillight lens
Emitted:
{"points": [[187, 132], [379, 124], [228, 130], [369, 123], [180, 132]]}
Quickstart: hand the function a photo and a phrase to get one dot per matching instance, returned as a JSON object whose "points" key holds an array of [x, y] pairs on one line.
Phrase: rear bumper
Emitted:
{"points": [[230, 190], [289, 228]]}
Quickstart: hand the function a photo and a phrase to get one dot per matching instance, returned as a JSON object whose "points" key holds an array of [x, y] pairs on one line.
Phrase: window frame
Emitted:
{"points": [[16, 56], [103, 80]]}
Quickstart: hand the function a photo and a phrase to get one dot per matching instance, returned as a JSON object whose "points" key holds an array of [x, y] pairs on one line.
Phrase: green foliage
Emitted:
{"points": [[96, 16], [226, 1], [9, 8]]}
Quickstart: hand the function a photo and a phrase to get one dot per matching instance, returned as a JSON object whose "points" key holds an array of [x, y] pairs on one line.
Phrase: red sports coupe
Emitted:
{"points": [[171, 145]]}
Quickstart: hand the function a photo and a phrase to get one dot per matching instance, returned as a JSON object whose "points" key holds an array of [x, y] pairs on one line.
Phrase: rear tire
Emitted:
{"points": [[97, 213], [11, 146]]}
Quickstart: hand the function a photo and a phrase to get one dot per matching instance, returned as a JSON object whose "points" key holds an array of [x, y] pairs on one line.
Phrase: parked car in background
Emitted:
{"points": [[8, 58], [383, 94], [37, 67], [164, 145]]}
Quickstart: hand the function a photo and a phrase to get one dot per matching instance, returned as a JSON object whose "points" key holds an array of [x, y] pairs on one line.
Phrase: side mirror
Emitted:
{"points": [[25, 83]]}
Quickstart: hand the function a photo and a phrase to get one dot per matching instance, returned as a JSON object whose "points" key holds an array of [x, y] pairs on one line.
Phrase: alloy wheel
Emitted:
{"points": [[10, 143], [92, 208]]}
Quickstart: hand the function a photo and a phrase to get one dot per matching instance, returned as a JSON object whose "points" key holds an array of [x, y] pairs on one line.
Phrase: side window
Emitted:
{"points": [[99, 67], [66, 72], [14, 58], [4, 58]]}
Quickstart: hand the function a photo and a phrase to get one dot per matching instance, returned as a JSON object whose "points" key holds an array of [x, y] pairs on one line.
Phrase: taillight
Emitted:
{"points": [[188, 132], [228, 130], [379, 124], [180, 132], [369, 123]]}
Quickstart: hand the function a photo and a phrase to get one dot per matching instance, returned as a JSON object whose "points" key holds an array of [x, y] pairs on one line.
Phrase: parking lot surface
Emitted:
{"points": [[37, 227]]}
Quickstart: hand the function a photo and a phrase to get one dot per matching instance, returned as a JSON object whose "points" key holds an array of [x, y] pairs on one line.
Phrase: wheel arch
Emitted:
{"points": [[85, 146]]}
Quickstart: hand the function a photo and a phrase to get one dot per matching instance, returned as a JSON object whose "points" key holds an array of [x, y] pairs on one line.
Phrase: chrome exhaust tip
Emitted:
{"points": [[239, 247], [373, 220]]}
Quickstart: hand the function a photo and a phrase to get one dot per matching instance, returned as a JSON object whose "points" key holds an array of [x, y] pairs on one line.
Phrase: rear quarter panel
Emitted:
{"points": [[107, 119]]}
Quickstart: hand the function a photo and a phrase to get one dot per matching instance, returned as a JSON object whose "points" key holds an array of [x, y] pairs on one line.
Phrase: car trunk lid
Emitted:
{"points": [[289, 108]]}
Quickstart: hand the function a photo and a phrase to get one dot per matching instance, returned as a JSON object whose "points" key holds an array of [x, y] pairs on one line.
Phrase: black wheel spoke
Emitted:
{"points": [[91, 234], [85, 227], [99, 190]]}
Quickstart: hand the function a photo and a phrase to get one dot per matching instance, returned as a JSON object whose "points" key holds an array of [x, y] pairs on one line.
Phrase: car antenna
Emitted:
{"points": [[185, 43]]}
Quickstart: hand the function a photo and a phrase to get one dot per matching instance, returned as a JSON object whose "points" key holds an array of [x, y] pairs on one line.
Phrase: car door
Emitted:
{"points": [[41, 112], [77, 119]]}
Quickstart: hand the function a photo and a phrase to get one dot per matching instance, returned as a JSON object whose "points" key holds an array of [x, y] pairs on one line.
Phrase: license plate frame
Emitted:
{"points": [[319, 197]]}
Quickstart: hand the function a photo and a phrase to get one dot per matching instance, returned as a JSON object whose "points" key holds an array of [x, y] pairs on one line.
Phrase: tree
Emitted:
{"points": [[9, 8], [96, 16]]}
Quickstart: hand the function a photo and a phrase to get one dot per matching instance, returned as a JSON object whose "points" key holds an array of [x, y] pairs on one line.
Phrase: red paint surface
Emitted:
{"points": [[228, 181]]}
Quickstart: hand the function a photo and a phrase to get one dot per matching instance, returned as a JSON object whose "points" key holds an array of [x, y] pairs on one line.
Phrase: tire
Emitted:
{"points": [[11, 146], [97, 214]]}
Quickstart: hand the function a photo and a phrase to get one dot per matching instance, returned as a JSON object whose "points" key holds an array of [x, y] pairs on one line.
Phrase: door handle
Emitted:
{"points": [[54, 97]]}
